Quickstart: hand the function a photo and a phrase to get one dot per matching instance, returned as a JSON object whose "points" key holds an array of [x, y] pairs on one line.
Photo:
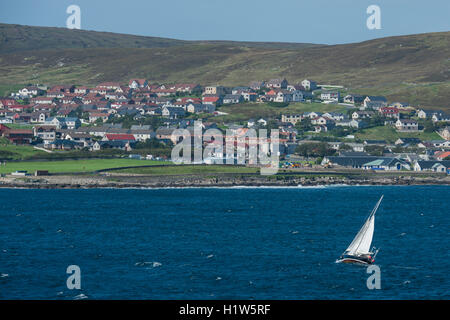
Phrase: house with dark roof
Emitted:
{"points": [[232, 99], [432, 165], [277, 84], [367, 162], [379, 99], [407, 125]]}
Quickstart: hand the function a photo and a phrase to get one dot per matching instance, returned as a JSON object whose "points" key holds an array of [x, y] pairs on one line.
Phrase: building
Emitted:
{"points": [[277, 84], [407, 125], [138, 83], [353, 99], [17, 136], [309, 85], [215, 90], [382, 100], [445, 133], [330, 96], [291, 118], [232, 99], [435, 166]]}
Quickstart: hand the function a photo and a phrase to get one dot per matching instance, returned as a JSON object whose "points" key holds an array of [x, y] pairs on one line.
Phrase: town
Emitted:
{"points": [[319, 125]]}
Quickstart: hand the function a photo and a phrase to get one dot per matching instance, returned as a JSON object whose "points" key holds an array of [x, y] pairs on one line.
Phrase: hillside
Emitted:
{"points": [[17, 38], [413, 68]]}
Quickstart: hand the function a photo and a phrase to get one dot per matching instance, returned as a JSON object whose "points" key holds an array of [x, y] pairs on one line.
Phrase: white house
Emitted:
{"points": [[309, 84]]}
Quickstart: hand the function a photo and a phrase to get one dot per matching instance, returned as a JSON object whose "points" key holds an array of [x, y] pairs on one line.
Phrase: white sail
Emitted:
{"points": [[363, 240]]}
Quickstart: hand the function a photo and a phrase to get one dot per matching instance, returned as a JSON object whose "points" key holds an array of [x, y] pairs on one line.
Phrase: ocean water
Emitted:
{"points": [[212, 243]]}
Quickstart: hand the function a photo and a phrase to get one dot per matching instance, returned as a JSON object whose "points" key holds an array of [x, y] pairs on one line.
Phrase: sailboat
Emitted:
{"points": [[359, 250]]}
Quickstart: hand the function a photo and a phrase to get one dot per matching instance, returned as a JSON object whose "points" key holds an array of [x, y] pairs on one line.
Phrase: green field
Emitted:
{"points": [[10, 151], [390, 134], [190, 169], [69, 166]]}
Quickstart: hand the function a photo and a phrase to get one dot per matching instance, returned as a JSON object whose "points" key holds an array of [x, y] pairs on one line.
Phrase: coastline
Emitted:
{"points": [[115, 181]]}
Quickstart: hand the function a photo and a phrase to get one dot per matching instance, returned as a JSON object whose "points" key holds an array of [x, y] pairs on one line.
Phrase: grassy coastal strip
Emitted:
{"points": [[188, 170], [70, 166]]}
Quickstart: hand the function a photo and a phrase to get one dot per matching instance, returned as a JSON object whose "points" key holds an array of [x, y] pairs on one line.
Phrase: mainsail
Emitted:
{"points": [[363, 240]]}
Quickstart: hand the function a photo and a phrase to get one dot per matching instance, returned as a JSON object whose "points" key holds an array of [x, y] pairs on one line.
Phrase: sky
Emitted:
{"points": [[308, 21]]}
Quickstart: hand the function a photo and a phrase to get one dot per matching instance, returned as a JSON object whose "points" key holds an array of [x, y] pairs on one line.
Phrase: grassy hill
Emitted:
{"points": [[414, 68], [16, 38]]}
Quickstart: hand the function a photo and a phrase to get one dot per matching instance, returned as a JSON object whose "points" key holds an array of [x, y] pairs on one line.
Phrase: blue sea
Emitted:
{"points": [[213, 243]]}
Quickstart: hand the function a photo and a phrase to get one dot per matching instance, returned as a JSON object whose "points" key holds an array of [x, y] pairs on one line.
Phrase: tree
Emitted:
{"points": [[304, 125], [314, 149], [375, 150]]}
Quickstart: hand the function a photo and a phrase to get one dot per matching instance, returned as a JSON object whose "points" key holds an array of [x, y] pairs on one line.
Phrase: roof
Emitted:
{"points": [[377, 98], [210, 99], [428, 164], [362, 161], [119, 136]]}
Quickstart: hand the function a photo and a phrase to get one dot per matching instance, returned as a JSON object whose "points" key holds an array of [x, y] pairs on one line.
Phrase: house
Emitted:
{"points": [[81, 90], [108, 86], [309, 85], [435, 166], [443, 117], [38, 117], [7, 102], [63, 123], [407, 125], [389, 112], [173, 112], [336, 116], [405, 142], [232, 99], [277, 84], [330, 96], [165, 134], [362, 115], [353, 99], [374, 105], [119, 144], [46, 133], [283, 96], [30, 91], [387, 164], [366, 162], [423, 113], [291, 118], [436, 144], [249, 96], [312, 114], [94, 116], [445, 133], [138, 83], [215, 90], [142, 133], [41, 100], [17, 136], [380, 99], [374, 142], [212, 100], [357, 124], [257, 85], [83, 139], [442, 155], [118, 137]]}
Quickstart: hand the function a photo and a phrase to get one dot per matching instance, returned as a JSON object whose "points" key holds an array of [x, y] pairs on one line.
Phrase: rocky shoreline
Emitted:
{"points": [[185, 181]]}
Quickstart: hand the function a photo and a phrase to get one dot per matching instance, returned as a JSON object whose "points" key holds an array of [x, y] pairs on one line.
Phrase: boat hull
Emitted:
{"points": [[356, 259]]}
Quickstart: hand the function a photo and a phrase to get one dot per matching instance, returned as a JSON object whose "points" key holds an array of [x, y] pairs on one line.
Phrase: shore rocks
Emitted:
{"points": [[175, 181]]}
